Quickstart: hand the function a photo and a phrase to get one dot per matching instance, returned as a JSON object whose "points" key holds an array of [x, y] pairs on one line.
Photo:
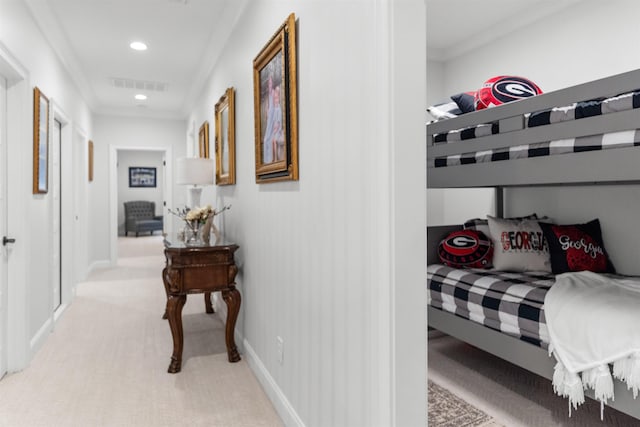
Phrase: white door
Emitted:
{"points": [[3, 227]]}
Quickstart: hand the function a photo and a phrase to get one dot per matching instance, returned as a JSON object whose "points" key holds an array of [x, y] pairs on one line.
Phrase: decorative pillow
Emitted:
{"points": [[502, 89], [445, 110], [483, 225], [577, 247], [465, 101], [519, 245], [466, 248]]}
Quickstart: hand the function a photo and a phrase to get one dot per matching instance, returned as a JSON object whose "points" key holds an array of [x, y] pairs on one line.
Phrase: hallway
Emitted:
{"points": [[105, 364]]}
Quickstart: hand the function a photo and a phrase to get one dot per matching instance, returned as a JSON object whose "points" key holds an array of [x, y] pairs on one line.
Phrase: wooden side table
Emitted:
{"points": [[199, 269]]}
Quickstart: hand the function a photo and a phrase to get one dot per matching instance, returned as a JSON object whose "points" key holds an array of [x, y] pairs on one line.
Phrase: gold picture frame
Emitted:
{"points": [[90, 161], [40, 142], [203, 140], [225, 143], [275, 101]]}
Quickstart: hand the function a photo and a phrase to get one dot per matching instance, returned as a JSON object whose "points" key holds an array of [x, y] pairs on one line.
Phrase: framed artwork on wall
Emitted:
{"points": [[203, 140], [225, 143], [142, 177], [276, 106], [90, 161], [40, 142]]}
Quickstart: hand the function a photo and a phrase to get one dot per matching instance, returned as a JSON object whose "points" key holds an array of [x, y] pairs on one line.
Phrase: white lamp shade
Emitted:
{"points": [[194, 170]]}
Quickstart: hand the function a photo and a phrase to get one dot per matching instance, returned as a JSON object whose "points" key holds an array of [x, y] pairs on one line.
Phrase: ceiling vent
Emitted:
{"points": [[122, 83]]}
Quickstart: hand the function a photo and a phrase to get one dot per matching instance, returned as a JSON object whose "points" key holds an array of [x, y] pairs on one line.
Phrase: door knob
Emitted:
{"points": [[6, 240]]}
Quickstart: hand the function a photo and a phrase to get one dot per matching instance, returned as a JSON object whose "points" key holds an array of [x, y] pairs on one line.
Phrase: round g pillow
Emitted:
{"points": [[502, 89], [466, 248]]}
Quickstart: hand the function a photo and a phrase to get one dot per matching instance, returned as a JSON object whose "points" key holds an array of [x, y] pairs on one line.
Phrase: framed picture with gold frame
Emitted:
{"points": [[203, 140], [40, 142], [90, 161], [276, 106], [225, 143]]}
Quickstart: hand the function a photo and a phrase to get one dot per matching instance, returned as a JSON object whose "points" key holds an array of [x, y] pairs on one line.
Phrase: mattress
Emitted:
{"points": [[512, 303], [621, 139], [576, 111]]}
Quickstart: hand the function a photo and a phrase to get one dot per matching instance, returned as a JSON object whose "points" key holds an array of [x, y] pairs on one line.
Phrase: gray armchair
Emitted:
{"points": [[140, 216]]}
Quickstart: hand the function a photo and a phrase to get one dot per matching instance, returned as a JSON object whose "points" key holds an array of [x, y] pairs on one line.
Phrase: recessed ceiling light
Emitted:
{"points": [[138, 46], [141, 97]]}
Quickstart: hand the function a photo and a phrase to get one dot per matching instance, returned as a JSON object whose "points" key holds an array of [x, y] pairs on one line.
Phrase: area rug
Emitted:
{"points": [[448, 410]]}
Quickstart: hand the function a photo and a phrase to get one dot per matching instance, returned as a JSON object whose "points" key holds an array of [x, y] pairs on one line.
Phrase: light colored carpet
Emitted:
{"points": [[511, 395], [106, 363], [448, 410]]}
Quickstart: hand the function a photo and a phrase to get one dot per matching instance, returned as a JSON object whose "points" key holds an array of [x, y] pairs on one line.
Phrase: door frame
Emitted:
{"points": [[65, 207], [113, 192]]}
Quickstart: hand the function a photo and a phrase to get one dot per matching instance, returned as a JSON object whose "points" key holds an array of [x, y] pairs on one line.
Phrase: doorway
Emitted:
{"points": [[163, 176]]}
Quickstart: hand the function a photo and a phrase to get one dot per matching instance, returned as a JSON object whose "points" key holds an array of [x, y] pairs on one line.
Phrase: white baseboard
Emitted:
{"points": [[98, 264], [40, 337], [280, 402]]}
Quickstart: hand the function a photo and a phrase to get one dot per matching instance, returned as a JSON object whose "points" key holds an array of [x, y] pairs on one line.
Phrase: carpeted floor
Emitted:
{"points": [[106, 362], [511, 395]]}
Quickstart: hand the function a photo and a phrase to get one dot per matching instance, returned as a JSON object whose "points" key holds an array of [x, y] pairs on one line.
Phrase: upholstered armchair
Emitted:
{"points": [[140, 216]]}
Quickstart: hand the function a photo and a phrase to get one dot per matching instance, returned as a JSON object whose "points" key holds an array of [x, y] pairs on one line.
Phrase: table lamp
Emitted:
{"points": [[197, 172]]}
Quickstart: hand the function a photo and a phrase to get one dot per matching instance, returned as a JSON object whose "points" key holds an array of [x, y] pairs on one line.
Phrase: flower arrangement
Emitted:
{"points": [[197, 217]]}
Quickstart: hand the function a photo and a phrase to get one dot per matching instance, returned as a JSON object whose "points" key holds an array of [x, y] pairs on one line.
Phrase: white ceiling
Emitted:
{"points": [[457, 26], [92, 37]]}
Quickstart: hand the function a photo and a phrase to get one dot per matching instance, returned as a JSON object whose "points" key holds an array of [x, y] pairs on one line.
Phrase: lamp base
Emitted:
{"points": [[195, 193]]}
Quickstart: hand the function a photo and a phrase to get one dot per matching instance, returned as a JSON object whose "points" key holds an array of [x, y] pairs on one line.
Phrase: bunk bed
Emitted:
{"points": [[592, 139]]}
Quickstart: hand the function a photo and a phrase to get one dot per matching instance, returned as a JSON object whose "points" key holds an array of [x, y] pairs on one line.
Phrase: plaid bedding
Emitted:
{"points": [[467, 133], [580, 110], [622, 139], [512, 303]]}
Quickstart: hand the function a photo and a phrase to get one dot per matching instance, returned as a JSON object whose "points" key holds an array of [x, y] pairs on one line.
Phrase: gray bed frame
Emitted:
{"points": [[613, 166], [606, 166]]}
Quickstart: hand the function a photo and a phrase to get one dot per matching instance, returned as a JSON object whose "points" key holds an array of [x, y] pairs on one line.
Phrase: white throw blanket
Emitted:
{"points": [[593, 320]]}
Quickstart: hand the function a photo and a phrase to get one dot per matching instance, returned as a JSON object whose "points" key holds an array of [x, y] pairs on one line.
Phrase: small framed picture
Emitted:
{"points": [[225, 112], [142, 177], [203, 140], [40, 142], [276, 106]]}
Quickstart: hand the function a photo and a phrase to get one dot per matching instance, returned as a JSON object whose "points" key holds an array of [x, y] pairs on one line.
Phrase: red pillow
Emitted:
{"points": [[577, 247], [502, 89], [466, 248]]}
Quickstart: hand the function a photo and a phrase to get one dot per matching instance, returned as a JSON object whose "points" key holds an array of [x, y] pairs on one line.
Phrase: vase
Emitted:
{"points": [[192, 233], [206, 229]]}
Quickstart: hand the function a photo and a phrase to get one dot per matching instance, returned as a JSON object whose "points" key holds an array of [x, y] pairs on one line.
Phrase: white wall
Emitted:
{"points": [[134, 158], [131, 133], [325, 261], [30, 217], [452, 206], [590, 41]]}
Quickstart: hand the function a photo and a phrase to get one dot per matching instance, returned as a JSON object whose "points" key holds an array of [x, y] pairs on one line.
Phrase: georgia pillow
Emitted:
{"points": [[577, 247], [483, 224], [466, 248], [519, 245]]}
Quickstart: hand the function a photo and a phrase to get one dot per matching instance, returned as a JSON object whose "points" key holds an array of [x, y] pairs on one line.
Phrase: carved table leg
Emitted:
{"points": [[207, 303], [232, 299], [166, 289], [174, 312]]}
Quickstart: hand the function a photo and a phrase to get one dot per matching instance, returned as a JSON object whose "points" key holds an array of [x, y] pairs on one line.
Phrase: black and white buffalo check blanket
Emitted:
{"points": [[576, 111], [512, 303]]}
